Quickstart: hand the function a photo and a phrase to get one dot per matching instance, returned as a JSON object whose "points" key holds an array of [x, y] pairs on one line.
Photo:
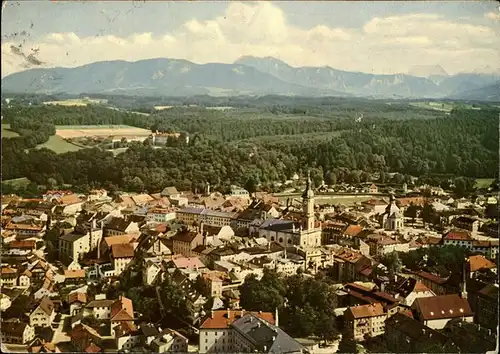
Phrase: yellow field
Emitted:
{"points": [[105, 131]]}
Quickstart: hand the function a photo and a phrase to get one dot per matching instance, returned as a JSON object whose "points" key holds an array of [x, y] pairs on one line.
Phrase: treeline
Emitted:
{"points": [[336, 150]]}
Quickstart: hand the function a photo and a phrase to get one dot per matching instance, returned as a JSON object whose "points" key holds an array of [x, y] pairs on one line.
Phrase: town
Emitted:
{"points": [[411, 268]]}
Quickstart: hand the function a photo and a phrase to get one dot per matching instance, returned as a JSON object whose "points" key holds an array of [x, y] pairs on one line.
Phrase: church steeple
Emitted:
{"points": [[308, 204]]}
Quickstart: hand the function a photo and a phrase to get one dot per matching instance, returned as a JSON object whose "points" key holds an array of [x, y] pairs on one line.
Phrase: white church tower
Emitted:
{"points": [[308, 205]]}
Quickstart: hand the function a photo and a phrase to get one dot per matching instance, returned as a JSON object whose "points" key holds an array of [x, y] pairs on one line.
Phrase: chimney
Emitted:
{"points": [[228, 313]]}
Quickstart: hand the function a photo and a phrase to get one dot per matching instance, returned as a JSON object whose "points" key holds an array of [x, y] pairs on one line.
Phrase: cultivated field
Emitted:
{"points": [[75, 102], [80, 131], [7, 133], [59, 145]]}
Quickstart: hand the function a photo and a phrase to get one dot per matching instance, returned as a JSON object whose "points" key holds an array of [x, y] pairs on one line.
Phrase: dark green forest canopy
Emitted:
{"points": [[267, 143]]}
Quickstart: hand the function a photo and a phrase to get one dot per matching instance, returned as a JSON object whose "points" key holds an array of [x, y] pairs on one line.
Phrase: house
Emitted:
{"points": [[150, 272], [161, 215], [432, 281], [189, 216], [108, 242], [8, 277], [43, 314], [169, 341], [436, 311], [122, 314], [100, 308], [251, 333], [76, 301], [381, 245], [365, 321], [74, 276], [74, 245], [120, 226], [170, 192], [39, 345], [213, 281], [376, 206], [85, 339], [410, 289], [487, 306], [122, 254], [192, 263], [373, 189], [185, 241], [26, 230], [216, 333], [217, 218], [480, 263], [159, 247], [404, 334], [467, 223], [238, 192], [17, 332]]}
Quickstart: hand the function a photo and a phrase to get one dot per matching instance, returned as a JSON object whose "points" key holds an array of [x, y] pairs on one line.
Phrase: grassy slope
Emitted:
{"points": [[7, 133]]}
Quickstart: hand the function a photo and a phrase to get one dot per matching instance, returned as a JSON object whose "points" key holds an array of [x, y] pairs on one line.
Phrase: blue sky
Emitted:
{"points": [[381, 37]]}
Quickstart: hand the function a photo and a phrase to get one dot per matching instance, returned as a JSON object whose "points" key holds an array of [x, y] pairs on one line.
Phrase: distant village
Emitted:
{"points": [[57, 249]]}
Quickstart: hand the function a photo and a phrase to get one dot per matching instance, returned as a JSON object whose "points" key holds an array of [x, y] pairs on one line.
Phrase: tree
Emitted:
{"points": [[251, 185], [428, 213], [412, 212], [392, 262], [347, 345]]}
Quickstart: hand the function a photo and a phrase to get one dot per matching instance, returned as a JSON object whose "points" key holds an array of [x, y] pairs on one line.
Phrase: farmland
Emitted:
{"points": [[59, 145], [80, 131], [7, 133]]}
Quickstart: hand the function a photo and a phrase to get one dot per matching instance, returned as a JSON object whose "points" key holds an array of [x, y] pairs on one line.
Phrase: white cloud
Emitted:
{"points": [[383, 45]]}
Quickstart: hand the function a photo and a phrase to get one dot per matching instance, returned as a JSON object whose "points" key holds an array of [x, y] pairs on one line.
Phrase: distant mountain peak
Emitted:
{"points": [[427, 71]]}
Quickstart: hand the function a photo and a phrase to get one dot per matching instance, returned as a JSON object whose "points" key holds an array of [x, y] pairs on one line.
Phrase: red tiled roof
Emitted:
{"points": [[480, 262], [72, 274], [432, 277], [369, 310], [444, 306], [123, 250], [93, 348], [353, 230], [420, 287], [77, 297], [26, 244], [458, 235], [221, 320]]}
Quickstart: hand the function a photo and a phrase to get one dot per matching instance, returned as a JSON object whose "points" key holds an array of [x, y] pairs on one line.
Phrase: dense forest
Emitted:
{"points": [[231, 147]]}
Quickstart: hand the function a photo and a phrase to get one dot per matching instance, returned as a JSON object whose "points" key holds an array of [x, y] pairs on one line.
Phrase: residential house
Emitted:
{"points": [[365, 321], [409, 289], [213, 281], [376, 206], [239, 192], [217, 218], [85, 339], [403, 334], [43, 314], [458, 238], [467, 223], [381, 245], [170, 192], [17, 332], [39, 345], [8, 277], [216, 333], [120, 226], [487, 306], [150, 272], [185, 241], [169, 341], [26, 230], [347, 264], [161, 215], [76, 301], [100, 308], [251, 333], [436, 311], [478, 264], [74, 245], [159, 247], [122, 254], [189, 216], [122, 315], [432, 281]]}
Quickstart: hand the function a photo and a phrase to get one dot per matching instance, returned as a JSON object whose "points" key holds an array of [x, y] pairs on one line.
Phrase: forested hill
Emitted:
{"points": [[232, 147]]}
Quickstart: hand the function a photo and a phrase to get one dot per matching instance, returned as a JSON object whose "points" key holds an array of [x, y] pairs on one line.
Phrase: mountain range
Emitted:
{"points": [[247, 76]]}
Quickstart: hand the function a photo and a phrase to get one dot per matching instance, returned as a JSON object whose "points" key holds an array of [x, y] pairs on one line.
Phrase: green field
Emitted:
{"points": [[7, 133], [18, 183], [58, 145], [484, 182]]}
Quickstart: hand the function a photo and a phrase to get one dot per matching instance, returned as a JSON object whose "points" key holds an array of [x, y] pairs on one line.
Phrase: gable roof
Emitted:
{"points": [[77, 297], [123, 250], [458, 235], [369, 310], [443, 306], [46, 305], [122, 310], [480, 262], [415, 329], [223, 319], [353, 230], [188, 262], [168, 191]]}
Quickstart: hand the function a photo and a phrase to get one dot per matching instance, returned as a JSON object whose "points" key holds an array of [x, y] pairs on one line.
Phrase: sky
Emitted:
{"points": [[372, 37]]}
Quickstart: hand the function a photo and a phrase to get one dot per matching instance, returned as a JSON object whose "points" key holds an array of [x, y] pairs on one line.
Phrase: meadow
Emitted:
{"points": [[7, 133]]}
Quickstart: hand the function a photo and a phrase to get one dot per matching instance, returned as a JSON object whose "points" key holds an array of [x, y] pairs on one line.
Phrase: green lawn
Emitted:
{"points": [[7, 133], [58, 145], [17, 182], [484, 182]]}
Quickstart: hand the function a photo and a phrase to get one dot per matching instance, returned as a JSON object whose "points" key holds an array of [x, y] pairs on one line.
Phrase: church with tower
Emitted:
{"points": [[392, 219], [303, 233]]}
